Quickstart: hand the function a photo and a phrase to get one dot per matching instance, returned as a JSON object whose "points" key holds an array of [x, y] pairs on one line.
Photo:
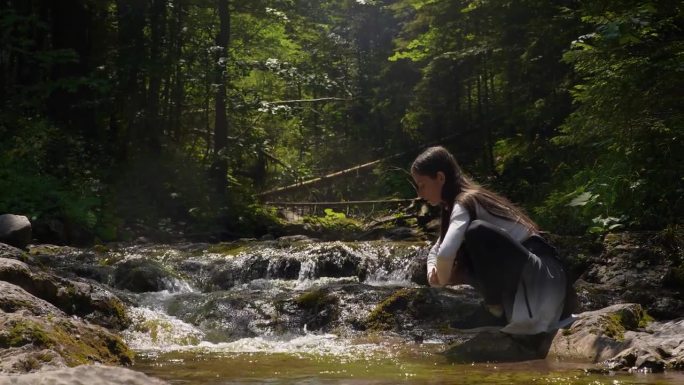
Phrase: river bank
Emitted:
{"points": [[179, 297]]}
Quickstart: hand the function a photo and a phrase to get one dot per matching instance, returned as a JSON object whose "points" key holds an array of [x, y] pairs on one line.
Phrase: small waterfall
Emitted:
{"points": [[274, 296], [394, 264], [307, 270]]}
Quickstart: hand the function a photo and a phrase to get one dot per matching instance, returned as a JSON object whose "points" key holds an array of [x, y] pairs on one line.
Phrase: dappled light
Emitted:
{"points": [[341, 192]]}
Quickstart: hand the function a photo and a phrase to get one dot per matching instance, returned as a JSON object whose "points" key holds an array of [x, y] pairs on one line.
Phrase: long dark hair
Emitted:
{"points": [[459, 188]]}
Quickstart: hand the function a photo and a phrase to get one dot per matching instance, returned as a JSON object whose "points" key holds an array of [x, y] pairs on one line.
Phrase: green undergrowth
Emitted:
{"points": [[333, 222]]}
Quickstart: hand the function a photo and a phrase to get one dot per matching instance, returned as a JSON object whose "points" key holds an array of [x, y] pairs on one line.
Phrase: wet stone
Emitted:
{"points": [[140, 275]]}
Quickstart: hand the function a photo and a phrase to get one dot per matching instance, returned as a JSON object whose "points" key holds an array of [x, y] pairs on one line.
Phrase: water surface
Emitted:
{"points": [[316, 359]]}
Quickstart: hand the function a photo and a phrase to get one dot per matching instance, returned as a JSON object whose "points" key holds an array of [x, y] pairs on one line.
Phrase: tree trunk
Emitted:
{"points": [[153, 127], [176, 100], [65, 105], [126, 126], [220, 166], [470, 101], [489, 145]]}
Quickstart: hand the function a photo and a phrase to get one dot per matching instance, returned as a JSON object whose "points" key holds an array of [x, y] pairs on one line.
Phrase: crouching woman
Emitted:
{"points": [[488, 242]]}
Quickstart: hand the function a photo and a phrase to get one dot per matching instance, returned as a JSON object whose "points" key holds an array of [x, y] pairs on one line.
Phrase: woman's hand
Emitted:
{"points": [[433, 280]]}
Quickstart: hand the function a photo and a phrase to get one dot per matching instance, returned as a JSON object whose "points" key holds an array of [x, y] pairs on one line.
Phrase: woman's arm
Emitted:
{"points": [[432, 265], [445, 253]]}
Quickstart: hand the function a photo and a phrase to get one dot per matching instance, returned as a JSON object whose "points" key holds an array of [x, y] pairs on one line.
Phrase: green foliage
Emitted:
{"points": [[628, 119], [334, 223], [578, 211], [115, 134], [34, 167]]}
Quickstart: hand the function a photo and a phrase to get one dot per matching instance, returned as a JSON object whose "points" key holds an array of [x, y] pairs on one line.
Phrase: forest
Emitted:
{"points": [[118, 116]]}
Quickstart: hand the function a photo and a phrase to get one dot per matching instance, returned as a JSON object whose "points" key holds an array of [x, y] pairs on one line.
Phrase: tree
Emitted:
{"points": [[629, 122], [220, 166]]}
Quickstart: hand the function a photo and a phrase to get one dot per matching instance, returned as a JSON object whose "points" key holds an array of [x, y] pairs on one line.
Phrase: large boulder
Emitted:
{"points": [[31, 342], [15, 230], [598, 335], [619, 337], [84, 374], [72, 297], [622, 336]]}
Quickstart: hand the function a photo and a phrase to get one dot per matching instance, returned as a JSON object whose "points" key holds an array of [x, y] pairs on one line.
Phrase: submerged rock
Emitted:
{"points": [[488, 344], [320, 308], [84, 374]]}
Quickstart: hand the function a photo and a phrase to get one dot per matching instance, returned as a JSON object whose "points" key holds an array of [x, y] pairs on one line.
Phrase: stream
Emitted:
{"points": [[299, 311]]}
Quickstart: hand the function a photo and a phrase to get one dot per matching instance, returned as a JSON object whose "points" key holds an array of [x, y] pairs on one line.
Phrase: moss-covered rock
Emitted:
{"points": [[602, 334], [597, 336], [320, 308], [404, 308], [331, 225], [73, 340], [71, 296], [47, 250], [385, 315], [615, 324]]}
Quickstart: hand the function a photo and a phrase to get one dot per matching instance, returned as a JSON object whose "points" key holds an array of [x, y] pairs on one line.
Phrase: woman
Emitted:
{"points": [[499, 249]]}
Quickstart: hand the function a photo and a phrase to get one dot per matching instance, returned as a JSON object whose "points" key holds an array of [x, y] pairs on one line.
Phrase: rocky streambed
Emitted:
{"points": [[164, 306]]}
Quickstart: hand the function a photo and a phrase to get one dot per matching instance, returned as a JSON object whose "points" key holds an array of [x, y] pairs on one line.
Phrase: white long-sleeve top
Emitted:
{"points": [[442, 255]]}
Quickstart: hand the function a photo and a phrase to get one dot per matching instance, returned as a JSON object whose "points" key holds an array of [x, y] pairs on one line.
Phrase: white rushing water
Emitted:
{"points": [[153, 330], [227, 315]]}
